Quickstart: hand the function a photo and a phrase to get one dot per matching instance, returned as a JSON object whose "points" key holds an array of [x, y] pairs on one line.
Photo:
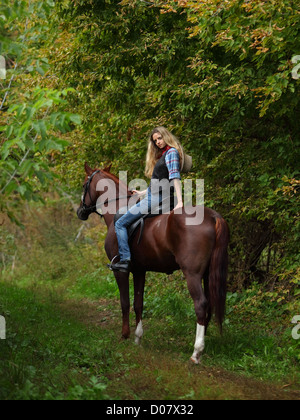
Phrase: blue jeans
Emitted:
{"points": [[133, 214]]}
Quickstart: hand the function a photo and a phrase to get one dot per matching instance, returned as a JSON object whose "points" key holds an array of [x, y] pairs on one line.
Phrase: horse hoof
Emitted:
{"points": [[195, 360], [138, 341]]}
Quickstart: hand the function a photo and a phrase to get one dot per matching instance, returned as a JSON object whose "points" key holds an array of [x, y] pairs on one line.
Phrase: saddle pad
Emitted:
{"points": [[132, 229], [161, 209]]}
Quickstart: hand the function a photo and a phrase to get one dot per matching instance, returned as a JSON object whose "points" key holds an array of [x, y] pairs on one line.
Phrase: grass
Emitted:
{"points": [[63, 327], [47, 355], [252, 351]]}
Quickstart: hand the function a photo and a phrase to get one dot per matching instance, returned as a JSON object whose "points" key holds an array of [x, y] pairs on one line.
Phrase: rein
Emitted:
{"points": [[93, 209]]}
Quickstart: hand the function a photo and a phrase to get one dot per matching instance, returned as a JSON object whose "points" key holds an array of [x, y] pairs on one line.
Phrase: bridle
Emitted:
{"points": [[93, 208], [90, 209]]}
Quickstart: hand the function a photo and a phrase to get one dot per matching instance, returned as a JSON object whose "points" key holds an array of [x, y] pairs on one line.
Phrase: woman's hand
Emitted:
{"points": [[139, 193], [179, 206]]}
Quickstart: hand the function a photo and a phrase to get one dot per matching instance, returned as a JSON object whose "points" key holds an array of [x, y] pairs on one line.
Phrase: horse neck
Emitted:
{"points": [[121, 191]]}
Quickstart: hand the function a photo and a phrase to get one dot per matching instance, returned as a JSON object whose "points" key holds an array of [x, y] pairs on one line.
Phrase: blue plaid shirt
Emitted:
{"points": [[173, 163]]}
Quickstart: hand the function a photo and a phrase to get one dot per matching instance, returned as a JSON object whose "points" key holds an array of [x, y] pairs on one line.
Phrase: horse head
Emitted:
{"points": [[89, 196], [91, 193]]}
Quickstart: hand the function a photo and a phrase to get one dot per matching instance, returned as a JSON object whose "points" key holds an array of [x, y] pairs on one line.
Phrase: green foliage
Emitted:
{"points": [[30, 135], [219, 75], [216, 73], [32, 117]]}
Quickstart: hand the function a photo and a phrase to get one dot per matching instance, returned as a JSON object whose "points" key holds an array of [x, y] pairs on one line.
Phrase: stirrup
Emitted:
{"points": [[123, 267], [112, 261]]}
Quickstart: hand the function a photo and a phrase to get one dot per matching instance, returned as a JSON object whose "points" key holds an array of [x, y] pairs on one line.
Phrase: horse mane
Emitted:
{"points": [[109, 175]]}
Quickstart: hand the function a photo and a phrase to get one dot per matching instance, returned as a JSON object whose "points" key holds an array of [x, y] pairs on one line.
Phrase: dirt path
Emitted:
{"points": [[145, 373]]}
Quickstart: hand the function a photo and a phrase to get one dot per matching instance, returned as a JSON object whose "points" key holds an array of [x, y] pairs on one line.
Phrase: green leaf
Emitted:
{"points": [[40, 71], [9, 130], [22, 189], [26, 167], [12, 186], [41, 177], [41, 128], [75, 118]]}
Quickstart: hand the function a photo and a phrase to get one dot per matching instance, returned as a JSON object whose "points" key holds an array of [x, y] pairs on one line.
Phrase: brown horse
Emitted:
{"points": [[168, 244]]}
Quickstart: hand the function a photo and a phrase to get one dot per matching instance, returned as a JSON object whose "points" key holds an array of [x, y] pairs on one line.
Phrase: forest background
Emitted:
{"points": [[87, 80]]}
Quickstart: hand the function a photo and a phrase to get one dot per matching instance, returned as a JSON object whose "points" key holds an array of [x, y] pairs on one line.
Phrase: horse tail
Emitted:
{"points": [[218, 271]]}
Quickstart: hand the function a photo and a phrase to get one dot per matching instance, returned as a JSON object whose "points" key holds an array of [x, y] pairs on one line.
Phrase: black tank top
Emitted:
{"points": [[160, 173]]}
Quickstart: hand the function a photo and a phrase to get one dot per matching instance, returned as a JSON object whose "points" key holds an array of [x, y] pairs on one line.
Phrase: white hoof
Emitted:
{"points": [[195, 359], [139, 333]]}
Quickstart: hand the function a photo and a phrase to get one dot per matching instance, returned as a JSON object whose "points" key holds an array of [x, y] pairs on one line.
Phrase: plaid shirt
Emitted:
{"points": [[173, 163]]}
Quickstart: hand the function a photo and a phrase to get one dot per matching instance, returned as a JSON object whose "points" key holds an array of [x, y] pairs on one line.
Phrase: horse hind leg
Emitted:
{"points": [[194, 282], [207, 295], [199, 344]]}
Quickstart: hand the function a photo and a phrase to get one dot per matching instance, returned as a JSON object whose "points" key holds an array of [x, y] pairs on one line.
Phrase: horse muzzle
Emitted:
{"points": [[82, 214]]}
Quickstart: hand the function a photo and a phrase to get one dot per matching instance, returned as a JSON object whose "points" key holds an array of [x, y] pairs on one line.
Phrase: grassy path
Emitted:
{"points": [[71, 349], [63, 321], [145, 372]]}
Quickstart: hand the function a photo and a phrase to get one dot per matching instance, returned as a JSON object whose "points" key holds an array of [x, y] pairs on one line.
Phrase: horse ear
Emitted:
{"points": [[107, 169], [88, 170]]}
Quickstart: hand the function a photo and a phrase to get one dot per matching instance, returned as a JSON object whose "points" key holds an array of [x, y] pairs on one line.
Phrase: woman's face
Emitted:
{"points": [[158, 140]]}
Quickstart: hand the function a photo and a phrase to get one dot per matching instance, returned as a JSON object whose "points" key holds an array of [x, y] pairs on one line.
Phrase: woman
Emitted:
{"points": [[163, 164]]}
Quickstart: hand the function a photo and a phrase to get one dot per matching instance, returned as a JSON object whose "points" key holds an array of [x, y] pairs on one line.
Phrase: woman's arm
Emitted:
{"points": [[173, 165], [177, 185]]}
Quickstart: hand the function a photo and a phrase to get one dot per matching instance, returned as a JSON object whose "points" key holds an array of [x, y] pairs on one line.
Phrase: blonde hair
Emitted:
{"points": [[154, 152]]}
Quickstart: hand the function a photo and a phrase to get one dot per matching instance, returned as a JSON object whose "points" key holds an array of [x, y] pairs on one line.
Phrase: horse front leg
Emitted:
{"points": [[123, 283], [139, 285]]}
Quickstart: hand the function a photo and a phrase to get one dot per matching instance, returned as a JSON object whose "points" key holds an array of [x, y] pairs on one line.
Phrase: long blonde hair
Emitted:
{"points": [[154, 152]]}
